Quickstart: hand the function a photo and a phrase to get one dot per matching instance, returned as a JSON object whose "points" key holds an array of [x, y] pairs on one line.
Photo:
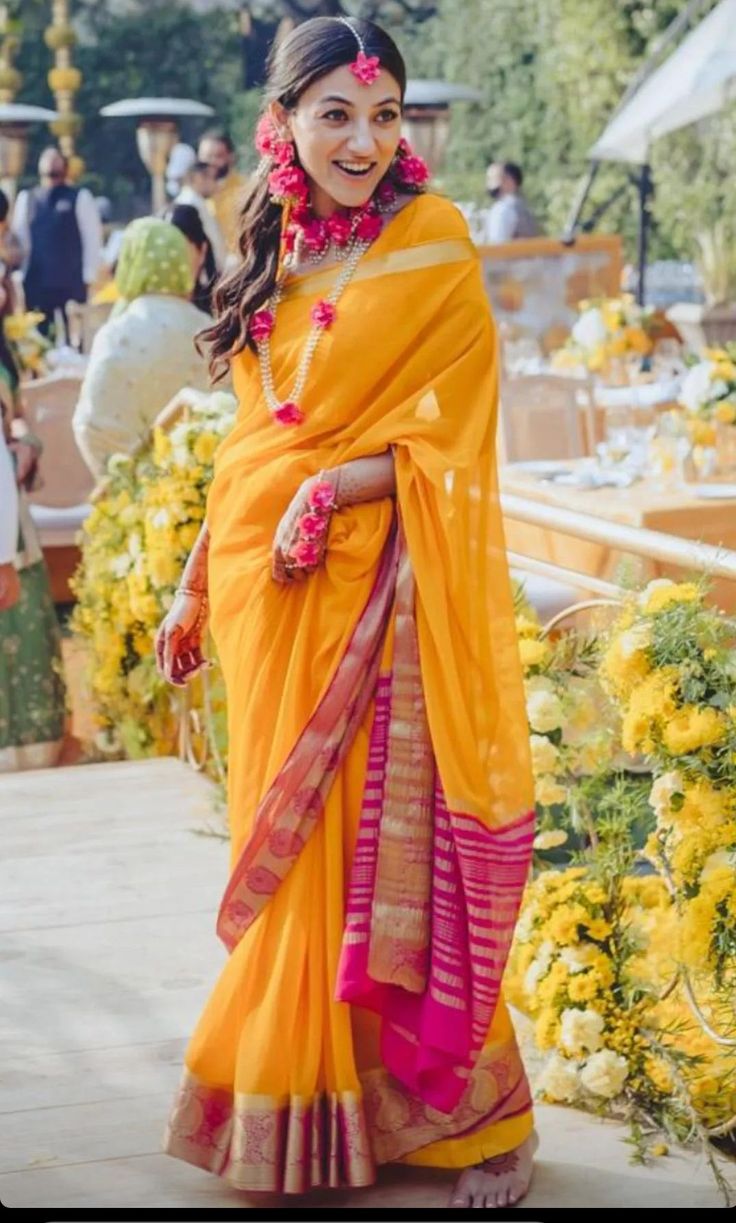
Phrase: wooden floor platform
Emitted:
{"points": [[107, 954]]}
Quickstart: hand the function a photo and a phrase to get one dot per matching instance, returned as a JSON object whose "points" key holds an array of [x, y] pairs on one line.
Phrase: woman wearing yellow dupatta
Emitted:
{"points": [[354, 571]]}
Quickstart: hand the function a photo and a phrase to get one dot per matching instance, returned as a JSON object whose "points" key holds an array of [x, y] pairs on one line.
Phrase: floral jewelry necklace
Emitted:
{"points": [[351, 230]]}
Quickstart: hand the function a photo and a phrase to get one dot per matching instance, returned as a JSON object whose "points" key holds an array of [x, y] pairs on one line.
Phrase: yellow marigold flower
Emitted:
{"points": [[598, 928], [533, 653], [584, 987], [526, 627], [692, 728], [637, 340], [161, 447], [205, 446], [562, 926], [723, 370], [715, 354], [725, 412], [676, 592]]}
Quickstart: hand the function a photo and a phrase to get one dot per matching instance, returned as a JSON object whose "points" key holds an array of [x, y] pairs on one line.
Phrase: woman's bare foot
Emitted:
{"points": [[501, 1181]]}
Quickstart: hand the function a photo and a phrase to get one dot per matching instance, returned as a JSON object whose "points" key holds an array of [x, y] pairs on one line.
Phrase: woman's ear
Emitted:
{"points": [[281, 120]]}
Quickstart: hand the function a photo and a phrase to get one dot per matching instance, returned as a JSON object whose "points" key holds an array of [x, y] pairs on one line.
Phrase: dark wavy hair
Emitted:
{"points": [[312, 50]]}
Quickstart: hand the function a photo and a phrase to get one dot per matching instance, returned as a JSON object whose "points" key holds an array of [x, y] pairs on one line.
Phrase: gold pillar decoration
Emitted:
{"points": [[10, 78], [64, 81]]}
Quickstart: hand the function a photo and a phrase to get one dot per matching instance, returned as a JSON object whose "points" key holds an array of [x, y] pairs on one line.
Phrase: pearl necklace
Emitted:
{"points": [[288, 411]]}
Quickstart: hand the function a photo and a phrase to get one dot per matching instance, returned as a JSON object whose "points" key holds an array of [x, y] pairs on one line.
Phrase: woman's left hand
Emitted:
{"points": [[283, 569]]}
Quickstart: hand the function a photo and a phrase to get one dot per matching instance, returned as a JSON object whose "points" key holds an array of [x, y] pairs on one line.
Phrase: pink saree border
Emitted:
{"points": [[291, 807]]}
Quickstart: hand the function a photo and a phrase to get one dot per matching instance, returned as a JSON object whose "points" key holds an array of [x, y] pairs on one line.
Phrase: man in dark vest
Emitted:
{"points": [[59, 229]]}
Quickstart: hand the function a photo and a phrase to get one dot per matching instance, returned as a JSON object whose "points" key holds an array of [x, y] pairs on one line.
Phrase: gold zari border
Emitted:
{"points": [[410, 259]]}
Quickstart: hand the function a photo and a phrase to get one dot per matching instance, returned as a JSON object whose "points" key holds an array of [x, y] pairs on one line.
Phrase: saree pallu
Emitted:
{"points": [[380, 788]]}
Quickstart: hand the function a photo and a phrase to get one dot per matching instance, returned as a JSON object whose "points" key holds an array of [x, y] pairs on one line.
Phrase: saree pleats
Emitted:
{"points": [[290, 1080]]}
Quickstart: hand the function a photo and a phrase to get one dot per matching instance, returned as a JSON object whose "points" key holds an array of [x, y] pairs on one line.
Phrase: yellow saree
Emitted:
{"points": [[380, 790]]}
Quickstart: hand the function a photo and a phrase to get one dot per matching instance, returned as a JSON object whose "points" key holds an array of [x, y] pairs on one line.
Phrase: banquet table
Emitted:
{"points": [[676, 511]]}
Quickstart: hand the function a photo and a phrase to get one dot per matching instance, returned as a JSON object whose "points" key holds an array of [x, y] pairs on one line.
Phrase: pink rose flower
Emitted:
{"points": [[282, 152], [322, 496], [323, 314], [311, 526], [340, 228], [261, 325], [305, 553], [385, 192], [289, 413], [316, 234], [265, 136], [366, 68], [412, 171], [288, 182], [369, 227]]}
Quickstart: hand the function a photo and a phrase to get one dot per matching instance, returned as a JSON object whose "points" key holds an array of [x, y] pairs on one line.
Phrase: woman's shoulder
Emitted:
{"points": [[434, 218], [167, 309]]}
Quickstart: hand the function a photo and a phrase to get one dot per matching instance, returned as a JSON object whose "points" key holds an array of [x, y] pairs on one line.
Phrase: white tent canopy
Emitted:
{"points": [[697, 80]]}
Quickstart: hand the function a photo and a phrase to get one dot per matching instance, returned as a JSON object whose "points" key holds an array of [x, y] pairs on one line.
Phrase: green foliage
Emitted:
{"points": [[136, 49], [550, 73]]}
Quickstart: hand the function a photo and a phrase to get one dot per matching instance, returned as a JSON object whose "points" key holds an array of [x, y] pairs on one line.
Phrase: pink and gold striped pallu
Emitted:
{"points": [[434, 895]]}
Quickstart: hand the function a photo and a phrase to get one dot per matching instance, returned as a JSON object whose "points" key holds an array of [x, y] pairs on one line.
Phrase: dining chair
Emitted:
{"points": [[544, 416], [49, 405]]}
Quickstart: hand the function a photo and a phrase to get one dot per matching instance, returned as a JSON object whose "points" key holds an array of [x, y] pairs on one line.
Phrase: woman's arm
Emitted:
{"points": [[360, 480], [369, 479], [179, 638]]}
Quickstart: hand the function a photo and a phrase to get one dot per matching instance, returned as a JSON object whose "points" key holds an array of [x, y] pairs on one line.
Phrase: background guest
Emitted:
{"points": [[187, 219], [145, 352], [217, 149], [510, 217], [59, 229], [9, 582], [200, 184]]}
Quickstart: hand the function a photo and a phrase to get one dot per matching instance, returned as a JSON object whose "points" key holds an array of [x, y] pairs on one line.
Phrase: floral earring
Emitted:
{"points": [[407, 168]]}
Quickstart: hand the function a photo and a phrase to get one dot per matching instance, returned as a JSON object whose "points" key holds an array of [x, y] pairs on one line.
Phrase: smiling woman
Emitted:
{"points": [[379, 786]]}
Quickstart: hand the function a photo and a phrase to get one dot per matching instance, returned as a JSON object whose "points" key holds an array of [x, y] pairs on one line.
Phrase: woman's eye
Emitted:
{"points": [[335, 114], [388, 116]]}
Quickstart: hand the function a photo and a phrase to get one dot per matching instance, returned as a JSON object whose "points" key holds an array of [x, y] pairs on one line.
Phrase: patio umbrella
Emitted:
{"points": [[696, 81]]}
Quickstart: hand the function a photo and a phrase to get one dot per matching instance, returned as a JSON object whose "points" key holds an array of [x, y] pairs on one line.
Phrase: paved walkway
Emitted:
{"points": [[107, 953]]}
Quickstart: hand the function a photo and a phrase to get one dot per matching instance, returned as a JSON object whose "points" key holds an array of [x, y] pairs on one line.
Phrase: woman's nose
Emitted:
{"points": [[361, 140]]}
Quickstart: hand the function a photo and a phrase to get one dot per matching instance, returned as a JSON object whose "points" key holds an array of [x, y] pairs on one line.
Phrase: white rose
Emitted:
{"points": [[716, 861], [636, 638], [699, 387], [120, 565], [135, 545], [605, 1073], [544, 754], [544, 710], [548, 792], [559, 1079], [577, 959], [655, 584], [581, 1030], [663, 791], [539, 967], [550, 839], [524, 927], [590, 330], [160, 518]]}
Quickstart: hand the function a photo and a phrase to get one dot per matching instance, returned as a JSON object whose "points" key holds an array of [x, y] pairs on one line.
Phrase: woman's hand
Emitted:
{"points": [[179, 639], [283, 569], [9, 586], [26, 458]]}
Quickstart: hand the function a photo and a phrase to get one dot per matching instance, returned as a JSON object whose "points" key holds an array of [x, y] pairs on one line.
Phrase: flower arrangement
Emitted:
{"points": [[570, 732], [135, 543], [629, 978], [609, 329], [28, 345], [708, 393]]}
